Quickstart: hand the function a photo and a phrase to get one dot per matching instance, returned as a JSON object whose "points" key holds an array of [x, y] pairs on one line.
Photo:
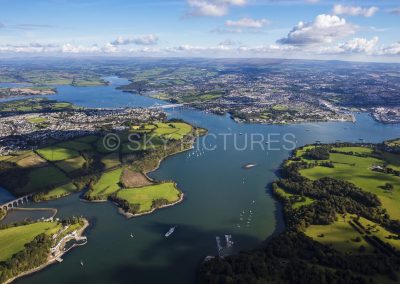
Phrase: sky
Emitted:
{"points": [[361, 30]]}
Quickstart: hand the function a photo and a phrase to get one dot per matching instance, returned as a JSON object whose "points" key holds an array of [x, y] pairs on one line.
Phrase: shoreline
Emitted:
{"points": [[50, 260], [129, 215], [240, 121], [54, 210]]}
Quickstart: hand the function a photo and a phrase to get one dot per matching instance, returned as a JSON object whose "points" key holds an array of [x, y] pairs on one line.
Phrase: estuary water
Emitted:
{"points": [[221, 197]]}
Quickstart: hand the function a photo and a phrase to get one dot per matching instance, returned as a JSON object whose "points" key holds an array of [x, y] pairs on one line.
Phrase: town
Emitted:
{"points": [[31, 130]]}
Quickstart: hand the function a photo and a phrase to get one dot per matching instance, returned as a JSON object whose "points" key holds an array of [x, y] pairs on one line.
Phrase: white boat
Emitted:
{"points": [[81, 262], [249, 166], [170, 231], [131, 235]]}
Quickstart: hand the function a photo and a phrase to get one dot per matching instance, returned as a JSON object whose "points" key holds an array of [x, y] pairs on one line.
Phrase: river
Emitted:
{"points": [[217, 190]]}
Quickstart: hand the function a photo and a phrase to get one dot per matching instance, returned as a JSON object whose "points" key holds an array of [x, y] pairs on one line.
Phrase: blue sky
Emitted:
{"points": [[353, 30]]}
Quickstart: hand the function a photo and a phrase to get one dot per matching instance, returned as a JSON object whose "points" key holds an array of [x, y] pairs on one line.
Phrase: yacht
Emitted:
{"points": [[170, 232]]}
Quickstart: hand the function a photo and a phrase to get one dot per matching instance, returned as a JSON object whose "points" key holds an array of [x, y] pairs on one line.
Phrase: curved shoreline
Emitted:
{"points": [[50, 260], [129, 215]]}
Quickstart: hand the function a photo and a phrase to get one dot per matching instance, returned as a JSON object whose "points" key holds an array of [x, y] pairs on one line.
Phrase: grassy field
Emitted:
{"points": [[357, 150], [174, 131], [87, 139], [111, 160], [357, 170], [54, 153], [75, 145], [60, 191], [392, 159], [145, 195], [13, 239], [107, 184], [57, 166], [341, 235], [31, 160], [41, 178], [281, 192], [71, 165], [34, 105]]}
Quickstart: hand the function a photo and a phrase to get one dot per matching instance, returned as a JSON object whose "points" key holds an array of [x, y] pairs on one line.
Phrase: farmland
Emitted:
{"points": [[147, 195], [358, 170], [62, 168], [17, 237]]}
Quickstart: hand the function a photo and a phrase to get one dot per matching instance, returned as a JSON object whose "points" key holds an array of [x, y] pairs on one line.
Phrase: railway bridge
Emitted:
{"points": [[16, 202]]}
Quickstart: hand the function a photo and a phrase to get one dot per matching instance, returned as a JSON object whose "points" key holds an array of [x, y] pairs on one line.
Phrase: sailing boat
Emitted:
{"points": [[131, 235], [81, 262]]}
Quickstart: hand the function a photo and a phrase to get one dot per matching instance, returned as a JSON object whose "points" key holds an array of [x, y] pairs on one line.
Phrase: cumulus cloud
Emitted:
{"points": [[247, 23], [360, 45], [354, 10], [143, 40], [215, 8], [393, 49], [324, 29]]}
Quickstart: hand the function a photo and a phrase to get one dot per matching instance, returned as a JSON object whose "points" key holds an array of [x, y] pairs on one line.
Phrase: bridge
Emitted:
{"points": [[158, 106], [16, 202]]}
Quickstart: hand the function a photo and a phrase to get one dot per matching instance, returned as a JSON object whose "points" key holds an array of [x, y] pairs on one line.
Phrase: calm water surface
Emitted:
{"points": [[217, 190]]}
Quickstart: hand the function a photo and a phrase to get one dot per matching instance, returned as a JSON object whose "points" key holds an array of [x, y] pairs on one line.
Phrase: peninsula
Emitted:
{"points": [[32, 246], [340, 204]]}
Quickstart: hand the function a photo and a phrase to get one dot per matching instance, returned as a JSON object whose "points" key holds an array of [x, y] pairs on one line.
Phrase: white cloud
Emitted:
{"points": [[247, 23], [324, 29], [215, 8], [143, 40], [360, 45], [393, 49], [354, 10]]}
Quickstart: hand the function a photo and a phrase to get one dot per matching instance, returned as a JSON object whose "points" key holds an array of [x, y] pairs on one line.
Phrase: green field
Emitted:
{"points": [[392, 159], [341, 235], [41, 178], [51, 172], [60, 191], [282, 193], [71, 165], [75, 145], [174, 131], [145, 195], [13, 239], [356, 150], [107, 184], [34, 105], [357, 170], [111, 160], [54, 153]]}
